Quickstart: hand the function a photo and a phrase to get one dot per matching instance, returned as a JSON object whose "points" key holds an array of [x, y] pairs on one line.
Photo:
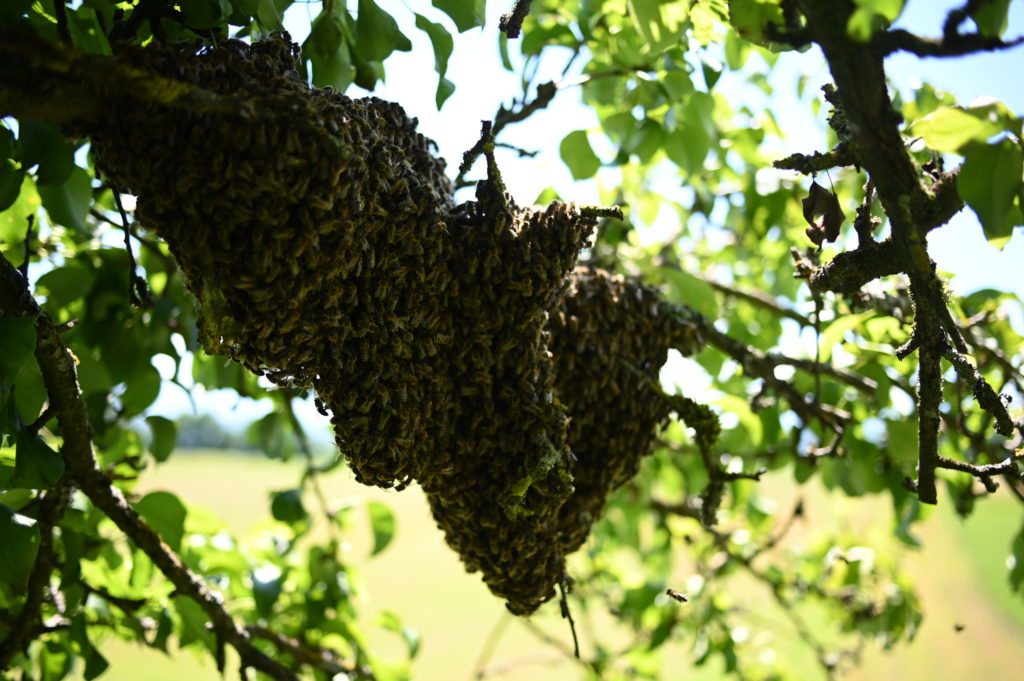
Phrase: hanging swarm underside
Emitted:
{"points": [[320, 238]]}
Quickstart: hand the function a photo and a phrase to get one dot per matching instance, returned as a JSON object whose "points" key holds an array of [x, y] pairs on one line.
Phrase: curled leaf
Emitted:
{"points": [[823, 214]]}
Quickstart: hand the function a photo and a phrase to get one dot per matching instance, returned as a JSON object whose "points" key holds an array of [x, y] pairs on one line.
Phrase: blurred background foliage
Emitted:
{"points": [[808, 571]]}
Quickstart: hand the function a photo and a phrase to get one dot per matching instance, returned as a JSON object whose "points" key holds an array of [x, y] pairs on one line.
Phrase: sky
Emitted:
{"points": [[482, 85]]}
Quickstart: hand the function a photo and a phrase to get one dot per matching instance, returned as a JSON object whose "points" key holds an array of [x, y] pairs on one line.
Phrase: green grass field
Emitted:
{"points": [[961, 572]]}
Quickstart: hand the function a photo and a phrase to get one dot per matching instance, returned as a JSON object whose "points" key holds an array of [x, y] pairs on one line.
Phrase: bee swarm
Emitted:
{"points": [[453, 345]]}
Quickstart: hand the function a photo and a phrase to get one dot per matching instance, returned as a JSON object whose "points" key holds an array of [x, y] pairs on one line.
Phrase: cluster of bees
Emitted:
{"points": [[453, 345]]}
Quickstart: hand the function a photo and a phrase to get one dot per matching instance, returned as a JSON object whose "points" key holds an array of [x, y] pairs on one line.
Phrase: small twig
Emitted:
{"points": [[60, 13], [523, 153], [28, 247], [986, 396], [512, 23], [759, 298], [489, 646], [128, 605], [138, 291], [311, 473], [567, 614], [816, 162], [545, 93], [864, 224], [550, 640], [318, 658], [41, 420], [1007, 466]]}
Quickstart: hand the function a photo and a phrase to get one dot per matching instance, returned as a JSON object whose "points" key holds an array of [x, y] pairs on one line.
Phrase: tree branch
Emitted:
{"points": [[983, 392], [816, 162], [958, 45], [57, 365], [46, 80], [761, 299], [512, 23], [317, 658], [23, 629]]}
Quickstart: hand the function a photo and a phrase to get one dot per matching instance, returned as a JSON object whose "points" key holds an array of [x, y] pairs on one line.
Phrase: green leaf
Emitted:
{"points": [[901, 440], [688, 145], [13, 8], [991, 17], [141, 390], [872, 16], [328, 51], [989, 181], [18, 340], [751, 18], [287, 507], [839, 328], [164, 434], [578, 155], [377, 34], [10, 184], [69, 203], [466, 14], [269, 15], [393, 623], [1017, 571], [273, 435], [166, 514], [950, 128], [659, 23], [194, 624], [19, 544], [95, 663], [37, 466], [205, 13], [687, 289], [751, 423], [6, 142], [14, 220], [43, 145], [382, 523], [64, 285], [266, 591], [442, 43]]}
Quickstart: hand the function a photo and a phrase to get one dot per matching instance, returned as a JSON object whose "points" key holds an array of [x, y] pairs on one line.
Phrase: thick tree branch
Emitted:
{"points": [[847, 272], [512, 23], [45, 80]]}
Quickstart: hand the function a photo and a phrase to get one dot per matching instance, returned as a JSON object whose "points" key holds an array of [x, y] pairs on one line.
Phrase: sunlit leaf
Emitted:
{"points": [[990, 182], [950, 128], [578, 155], [442, 43], [466, 14], [166, 514], [382, 524]]}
